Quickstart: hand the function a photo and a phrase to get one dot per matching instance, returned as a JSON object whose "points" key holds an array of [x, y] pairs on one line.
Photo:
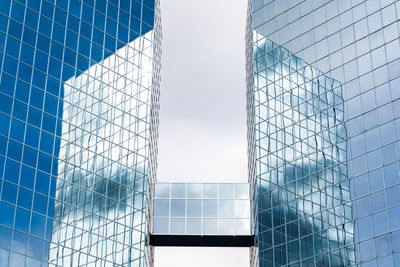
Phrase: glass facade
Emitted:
{"points": [[76, 92], [304, 209], [201, 209], [79, 108], [327, 86]]}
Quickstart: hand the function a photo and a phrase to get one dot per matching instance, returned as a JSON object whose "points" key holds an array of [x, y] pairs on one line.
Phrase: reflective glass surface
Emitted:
{"points": [[303, 189], [207, 209], [338, 146], [75, 94]]}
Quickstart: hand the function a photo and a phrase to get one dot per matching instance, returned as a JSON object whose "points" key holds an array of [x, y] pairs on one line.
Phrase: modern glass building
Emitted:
{"points": [[79, 104], [78, 96], [326, 78]]}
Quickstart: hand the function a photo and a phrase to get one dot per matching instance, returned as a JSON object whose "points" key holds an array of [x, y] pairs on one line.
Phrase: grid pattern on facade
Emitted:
{"points": [[100, 208], [201, 209], [55, 49], [304, 208], [357, 43]]}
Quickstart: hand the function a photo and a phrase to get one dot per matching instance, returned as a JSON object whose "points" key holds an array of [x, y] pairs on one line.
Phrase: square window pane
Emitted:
{"points": [[193, 226], [162, 190], [226, 191], [194, 208], [242, 209], [194, 190], [210, 208], [226, 226], [35, 247], [210, 190], [7, 214], [17, 259], [241, 191], [178, 190], [395, 237], [161, 226], [226, 208], [5, 238], [382, 245], [19, 242], [242, 226], [22, 220], [177, 226], [210, 226], [161, 207], [178, 208]]}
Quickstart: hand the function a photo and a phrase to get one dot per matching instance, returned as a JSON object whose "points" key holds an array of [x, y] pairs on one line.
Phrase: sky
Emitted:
{"points": [[201, 257], [203, 134], [203, 109]]}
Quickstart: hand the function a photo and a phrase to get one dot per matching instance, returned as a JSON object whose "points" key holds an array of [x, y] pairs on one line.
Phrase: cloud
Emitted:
{"points": [[203, 91]]}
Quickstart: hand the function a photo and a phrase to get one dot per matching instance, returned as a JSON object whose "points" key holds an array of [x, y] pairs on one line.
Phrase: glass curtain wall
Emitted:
{"points": [[75, 100], [201, 209], [356, 43], [304, 208]]}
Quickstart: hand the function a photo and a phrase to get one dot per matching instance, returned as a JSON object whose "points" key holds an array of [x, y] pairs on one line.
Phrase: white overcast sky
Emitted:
{"points": [[203, 91], [201, 257], [203, 109]]}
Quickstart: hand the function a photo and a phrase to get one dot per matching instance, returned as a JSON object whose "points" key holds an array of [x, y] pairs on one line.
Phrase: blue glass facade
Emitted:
{"points": [[75, 85], [356, 44]]}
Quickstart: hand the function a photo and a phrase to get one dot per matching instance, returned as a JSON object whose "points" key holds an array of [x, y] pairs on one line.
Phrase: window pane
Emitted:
{"points": [[193, 226], [5, 238], [242, 226], [178, 190], [177, 226], [194, 208], [382, 245], [242, 208], [210, 190], [241, 191], [162, 190], [226, 226], [210, 208], [194, 190], [226, 191], [210, 226], [177, 208], [19, 242], [161, 207], [161, 226], [226, 208]]}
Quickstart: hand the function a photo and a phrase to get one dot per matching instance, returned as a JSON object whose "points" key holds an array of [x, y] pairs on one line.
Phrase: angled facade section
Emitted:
{"points": [[304, 209], [101, 193]]}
